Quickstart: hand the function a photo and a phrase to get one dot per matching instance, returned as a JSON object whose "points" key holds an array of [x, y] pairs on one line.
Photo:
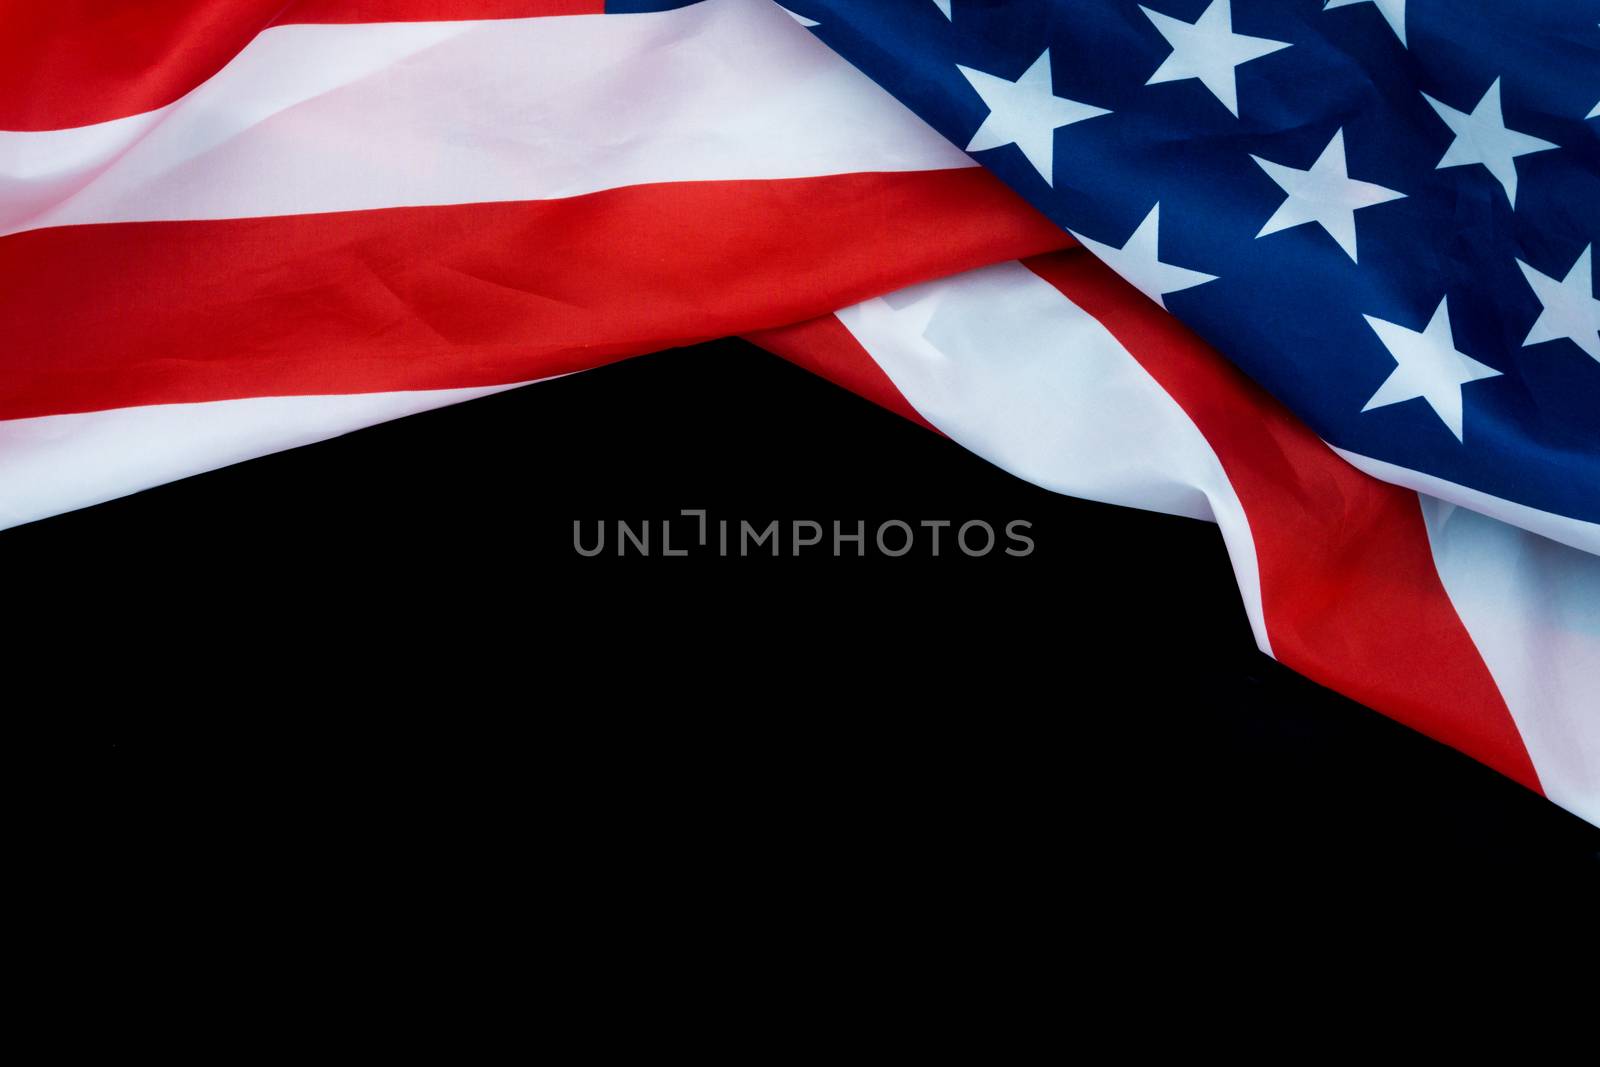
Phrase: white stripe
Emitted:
{"points": [[1003, 363], [60, 462], [1532, 606], [1569, 531], [345, 117]]}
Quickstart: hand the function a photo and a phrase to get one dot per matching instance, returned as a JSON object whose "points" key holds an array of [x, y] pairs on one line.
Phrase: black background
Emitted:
{"points": [[416, 583]]}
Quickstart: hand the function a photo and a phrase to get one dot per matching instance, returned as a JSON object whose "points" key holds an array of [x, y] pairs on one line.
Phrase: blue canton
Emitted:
{"points": [[1384, 211]]}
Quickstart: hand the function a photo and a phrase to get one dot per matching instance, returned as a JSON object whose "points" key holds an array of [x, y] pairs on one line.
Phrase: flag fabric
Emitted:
{"points": [[228, 229], [1473, 631], [372, 208], [1384, 211]]}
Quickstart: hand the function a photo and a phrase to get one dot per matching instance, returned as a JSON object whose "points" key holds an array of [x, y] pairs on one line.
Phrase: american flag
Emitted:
{"points": [[1319, 271]]}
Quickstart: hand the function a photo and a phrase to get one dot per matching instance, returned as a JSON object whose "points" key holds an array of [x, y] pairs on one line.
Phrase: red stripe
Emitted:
{"points": [[70, 63], [825, 347], [431, 10], [116, 315], [1349, 588]]}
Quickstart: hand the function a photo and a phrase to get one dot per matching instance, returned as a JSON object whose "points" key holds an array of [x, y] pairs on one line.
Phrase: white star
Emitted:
{"points": [[1137, 261], [1025, 113], [1570, 309], [1482, 137], [801, 19], [1209, 50], [1428, 366], [1325, 194], [1392, 10], [944, 5]]}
